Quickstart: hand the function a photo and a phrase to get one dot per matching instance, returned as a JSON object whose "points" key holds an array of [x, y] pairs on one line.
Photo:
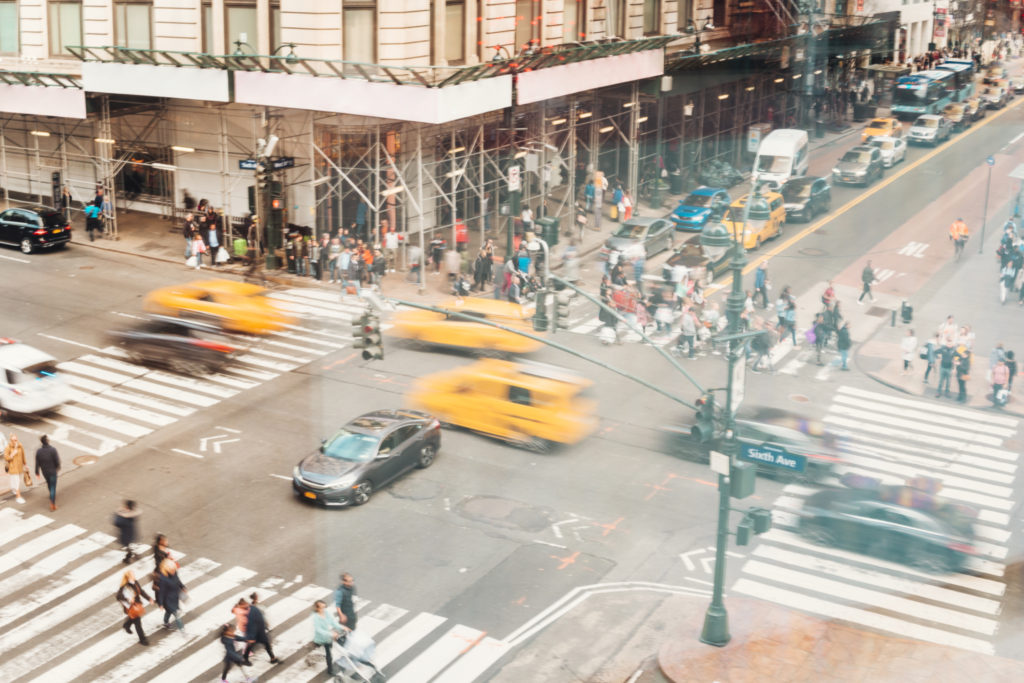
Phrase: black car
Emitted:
{"points": [[926, 534], [806, 197], [34, 227], [187, 346], [365, 455]]}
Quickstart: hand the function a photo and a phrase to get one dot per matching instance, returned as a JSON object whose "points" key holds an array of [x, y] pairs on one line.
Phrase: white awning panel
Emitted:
{"points": [[42, 101], [156, 81], [381, 100], [556, 81]]}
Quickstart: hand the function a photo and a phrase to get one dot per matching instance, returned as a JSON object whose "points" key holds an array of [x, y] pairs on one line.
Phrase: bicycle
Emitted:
{"points": [[958, 247]]}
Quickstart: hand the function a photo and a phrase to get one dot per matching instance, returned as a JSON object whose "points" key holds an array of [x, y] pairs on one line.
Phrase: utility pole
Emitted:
{"points": [[808, 8]]}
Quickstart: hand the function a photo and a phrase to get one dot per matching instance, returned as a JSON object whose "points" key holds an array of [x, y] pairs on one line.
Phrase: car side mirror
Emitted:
{"points": [[383, 455]]}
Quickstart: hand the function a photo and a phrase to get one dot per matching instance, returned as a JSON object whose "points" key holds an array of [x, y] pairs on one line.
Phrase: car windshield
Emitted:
{"points": [[702, 200], [857, 156], [631, 231], [879, 123], [793, 191], [351, 446], [882, 144], [926, 123], [769, 163]]}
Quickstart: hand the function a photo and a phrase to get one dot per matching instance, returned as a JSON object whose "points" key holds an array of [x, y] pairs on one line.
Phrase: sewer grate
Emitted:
{"points": [[811, 251]]}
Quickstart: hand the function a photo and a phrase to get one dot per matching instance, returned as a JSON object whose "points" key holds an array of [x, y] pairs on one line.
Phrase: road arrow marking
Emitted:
{"points": [[914, 249], [557, 531], [687, 561], [217, 440]]}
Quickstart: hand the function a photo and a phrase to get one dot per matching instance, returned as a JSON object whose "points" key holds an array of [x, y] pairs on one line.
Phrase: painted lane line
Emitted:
{"points": [[188, 453], [472, 664], [229, 429], [68, 341], [233, 382], [54, 562], [932, 407], [440, 654], [114, 364], [83, 383], [14, 258], [407, 635], [924, 418], [310, 340], [881, 622], [28, 549], [94, 373], [909, 471], [268, 364], [190, 383], [984, 468], [281, 476], [95, 419], [149, 402], [281, 356], [909, 427], [63, 433], [15, 526], [296, 347], [954, 445], [949, 492], [252, 374], [164, 391], [136, 413]]}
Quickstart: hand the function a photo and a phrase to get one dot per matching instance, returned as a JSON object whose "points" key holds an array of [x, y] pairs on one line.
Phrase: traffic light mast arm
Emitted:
{"points": [[664, 354], [542, 340]]}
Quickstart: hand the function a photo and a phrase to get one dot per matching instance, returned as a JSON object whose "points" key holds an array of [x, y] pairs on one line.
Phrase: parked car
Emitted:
{"points": [[975, 107], [756, 231], [934, 537], [233, 306], [29, 380], [694, 211], [32, 228], [655, 234], [366, 454], [957, 113], [893, 150], [994, 97], [718, 174], [805, 197], [187, 346], [889, 126], [861, 165], [930, 129]]}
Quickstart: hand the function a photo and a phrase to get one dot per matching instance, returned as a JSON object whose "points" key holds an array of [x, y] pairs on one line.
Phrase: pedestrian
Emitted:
{"points": [[256, 631], [908, 346], [843, 343], [1000, 378], [790, 320], [688, 331], [588, 194], [14, 465], [228, 637], [962, 368], [485, 212], [343, 602], [161, 552], [946, 354], [48, 467], [928, 355], [1011, 367], [627, 206], [762, 345], [326, 630], [241, 612], [93, 222], [214, 239], [481, 270], [436, 252], [391, 241], [380, 267], [131, 594], [126, 521], [761, 284], [829, 297], [867, 278], [820, 334], [527, 219], [170, 594], [360, 222], [997, 354]]}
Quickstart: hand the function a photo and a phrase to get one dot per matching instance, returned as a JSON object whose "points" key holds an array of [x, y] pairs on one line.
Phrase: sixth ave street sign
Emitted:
{"points": [[773, 456]]}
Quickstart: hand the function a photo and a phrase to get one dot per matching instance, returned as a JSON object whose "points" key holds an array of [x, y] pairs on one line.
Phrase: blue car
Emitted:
{"points": [[694, 211]]}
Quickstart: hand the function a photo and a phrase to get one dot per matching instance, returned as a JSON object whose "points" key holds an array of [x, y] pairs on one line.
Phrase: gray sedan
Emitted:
{"points": [[655, 234]]}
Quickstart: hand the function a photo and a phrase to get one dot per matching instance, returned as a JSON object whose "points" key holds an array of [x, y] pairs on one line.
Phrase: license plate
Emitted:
{"points": [[309, 494], [58, 231]]}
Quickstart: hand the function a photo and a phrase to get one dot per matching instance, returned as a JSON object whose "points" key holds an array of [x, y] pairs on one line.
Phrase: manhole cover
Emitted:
{"points": [[86, 267], [879, 312], [811, 251], [798, 398], [85, 460]]}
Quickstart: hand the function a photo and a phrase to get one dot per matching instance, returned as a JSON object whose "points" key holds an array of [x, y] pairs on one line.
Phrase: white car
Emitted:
{"points": [[894, 150], [29, 382]]}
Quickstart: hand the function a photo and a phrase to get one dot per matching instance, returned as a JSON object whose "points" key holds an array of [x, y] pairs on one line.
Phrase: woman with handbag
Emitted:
{"points": [[131, 595], [14, 464]]}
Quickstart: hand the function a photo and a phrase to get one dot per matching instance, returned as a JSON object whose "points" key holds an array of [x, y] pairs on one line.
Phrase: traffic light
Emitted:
{"points": [[560, 311], [704, 429], [540, 314], [359, 326], [372, 347], [755, 521]]}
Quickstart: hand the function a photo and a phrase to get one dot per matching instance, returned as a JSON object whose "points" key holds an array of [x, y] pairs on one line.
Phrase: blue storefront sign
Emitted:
{"points": [[773, 456]]}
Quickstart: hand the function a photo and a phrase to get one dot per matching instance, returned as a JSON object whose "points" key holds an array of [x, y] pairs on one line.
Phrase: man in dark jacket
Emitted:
{"points": [[256, 631], [843, 343], [48, 465], [125, 520], [170, 592], [343, 601]]}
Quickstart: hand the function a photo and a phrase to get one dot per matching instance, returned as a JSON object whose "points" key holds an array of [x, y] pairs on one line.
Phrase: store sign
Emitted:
{"points": [[940, 22]]}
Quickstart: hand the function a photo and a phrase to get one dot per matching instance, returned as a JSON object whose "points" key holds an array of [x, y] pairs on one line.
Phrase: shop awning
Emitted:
{"points": [[41, 94]]}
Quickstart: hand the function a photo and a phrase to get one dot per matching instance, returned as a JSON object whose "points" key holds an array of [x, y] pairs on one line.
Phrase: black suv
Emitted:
{"points": [[34, 227]]}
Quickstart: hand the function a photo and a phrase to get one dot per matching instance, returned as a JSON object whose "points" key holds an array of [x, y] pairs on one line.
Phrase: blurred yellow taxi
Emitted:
{"points": [[886, 126], [444, 330], [530, 404], [234, 306], [758, 227]]}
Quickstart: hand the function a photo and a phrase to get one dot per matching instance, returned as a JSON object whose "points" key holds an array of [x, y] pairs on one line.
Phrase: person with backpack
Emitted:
{"points": [[867, 278], [929, 354], [93, 222]]}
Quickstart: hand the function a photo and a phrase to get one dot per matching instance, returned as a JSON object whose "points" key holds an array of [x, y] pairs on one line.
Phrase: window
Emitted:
{"points": [[241, 30], [455, 32], [132, 25], [8, 28], [519, 395], [524, 23], [360, 33], [275, 27], [574, 25], [207, 28], [65, 26], [652, 17]]}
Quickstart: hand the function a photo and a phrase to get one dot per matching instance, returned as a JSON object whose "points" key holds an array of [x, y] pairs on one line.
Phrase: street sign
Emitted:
{"points": [[720, 463], [247, 164], [739, 370], [514, 181], [773, 456], [282, 162], [990, 161]]}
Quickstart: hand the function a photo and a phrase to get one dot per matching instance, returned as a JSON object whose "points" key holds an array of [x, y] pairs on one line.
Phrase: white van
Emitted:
{"points": [[781, 155]]}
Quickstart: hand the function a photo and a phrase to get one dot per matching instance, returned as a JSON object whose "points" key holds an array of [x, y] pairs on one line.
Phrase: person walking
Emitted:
{"points": [[687, 332], [326, 630], [126, 521], [14, 464], [843, 343], [962, 366], [48, 467], [256, 631], [928, 355], [391, 241], [1000, 378], [761, 284], [908, 346], [867, 278], [171, 589], [241, 612], [343, 601], [820, 333], [131, 594], [228, 637], [93, 222], [1011, 367], [946, 355]]}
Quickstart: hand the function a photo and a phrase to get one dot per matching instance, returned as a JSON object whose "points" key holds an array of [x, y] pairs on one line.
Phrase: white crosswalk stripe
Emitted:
{"points": [[59, 621], [893, 440]]}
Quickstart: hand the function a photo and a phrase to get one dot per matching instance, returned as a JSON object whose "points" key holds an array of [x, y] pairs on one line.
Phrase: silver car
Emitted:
{"points": [[654, 234], [893, 150]]}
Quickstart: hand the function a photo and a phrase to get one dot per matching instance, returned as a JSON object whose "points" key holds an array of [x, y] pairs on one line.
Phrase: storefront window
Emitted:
{"points": [[65, 26], [455, 32], [8, 28], [360, 33], [241, 29], [132, 22]]}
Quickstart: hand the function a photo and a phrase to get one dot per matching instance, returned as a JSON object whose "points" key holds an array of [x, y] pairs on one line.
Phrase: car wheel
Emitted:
{"points": [[26, 246], [536, 444], [816, 533], [427, 455], [362, 492], [782, 227], [188, 367]]}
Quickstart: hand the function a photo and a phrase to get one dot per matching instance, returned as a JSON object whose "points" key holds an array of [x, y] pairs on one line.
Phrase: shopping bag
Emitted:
{"points": [[222, 256], [613, 212], [190, 262]]}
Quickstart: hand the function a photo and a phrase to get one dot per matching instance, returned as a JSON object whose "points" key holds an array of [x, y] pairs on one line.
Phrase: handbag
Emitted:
{"points": [[27, 478], [136, 610], [810, 336]]}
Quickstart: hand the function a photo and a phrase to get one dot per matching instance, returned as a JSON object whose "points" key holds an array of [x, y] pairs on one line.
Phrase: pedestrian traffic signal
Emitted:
{"points": [[359, 326], [755, 521], [372, 347], [560, 313], [704, 429], [540, 315]]}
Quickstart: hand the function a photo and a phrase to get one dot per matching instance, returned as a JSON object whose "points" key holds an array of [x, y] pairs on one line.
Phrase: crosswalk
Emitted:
{"points": [[59, 621], [893, 439], [114, 402]]}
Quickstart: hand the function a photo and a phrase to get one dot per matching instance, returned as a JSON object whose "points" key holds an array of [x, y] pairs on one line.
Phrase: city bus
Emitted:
{"points": [[963, 77], [925, 92]]}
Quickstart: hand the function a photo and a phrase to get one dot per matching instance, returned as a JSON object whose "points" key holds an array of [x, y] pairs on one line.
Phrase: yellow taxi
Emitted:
{"points": [[533, 405], [889, 126], [758, 228], [234, 306], [444, 330]]}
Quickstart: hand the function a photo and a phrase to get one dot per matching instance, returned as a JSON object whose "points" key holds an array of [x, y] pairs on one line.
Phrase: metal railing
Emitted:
{"points": [[38, 78]]}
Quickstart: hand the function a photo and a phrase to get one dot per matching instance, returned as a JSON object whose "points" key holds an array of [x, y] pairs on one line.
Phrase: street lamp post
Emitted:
{"points": [[984, 216], [716, 239]]}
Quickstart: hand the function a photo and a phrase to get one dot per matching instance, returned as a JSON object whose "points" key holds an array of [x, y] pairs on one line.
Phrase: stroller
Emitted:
{"points": [[353, 656]]}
